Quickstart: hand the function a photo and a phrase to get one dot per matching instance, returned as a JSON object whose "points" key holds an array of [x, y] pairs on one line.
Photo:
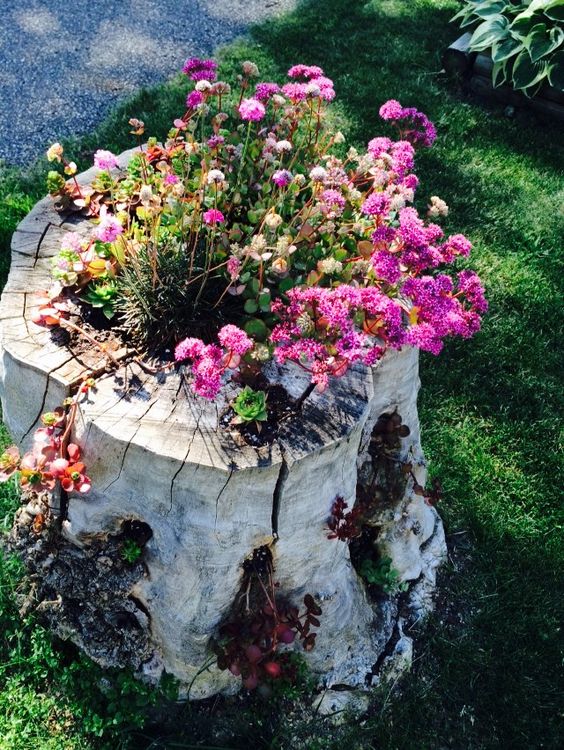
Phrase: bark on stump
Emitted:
{"points": [[159, 456]]}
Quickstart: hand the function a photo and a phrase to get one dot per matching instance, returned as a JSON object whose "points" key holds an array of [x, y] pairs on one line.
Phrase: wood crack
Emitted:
{"points": [[277, 494], [231, 471], [196, 429], [131, 439]]}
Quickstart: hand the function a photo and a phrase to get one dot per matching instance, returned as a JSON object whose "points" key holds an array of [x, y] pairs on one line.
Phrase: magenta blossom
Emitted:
{"points": [[377, 204], [194, 99], [200, 70], [305, 71], [188, 349], [251, 110], [282, 177], [215, 141], [422, 131], [325, 86], [265, 91], [105, 160], [296, 92], [233, 267], [234, 339], [391, 110], [213, 216], [109, 228]]}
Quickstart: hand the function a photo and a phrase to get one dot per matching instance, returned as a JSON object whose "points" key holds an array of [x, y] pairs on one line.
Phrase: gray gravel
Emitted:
{"points": [[65, 63]]}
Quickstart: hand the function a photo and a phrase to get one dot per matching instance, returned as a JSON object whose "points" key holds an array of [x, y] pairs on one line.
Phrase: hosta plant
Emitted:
{"points": [[253, 233], [525, 39]]}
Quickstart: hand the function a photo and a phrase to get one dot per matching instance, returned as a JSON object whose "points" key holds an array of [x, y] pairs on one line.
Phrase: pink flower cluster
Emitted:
{"points": [[319, 330], [105, 160], [421, 130], [316, 84], [440, 311], [200, 70], [210, 361], [213, 216], [251, 110], [109, 228]]}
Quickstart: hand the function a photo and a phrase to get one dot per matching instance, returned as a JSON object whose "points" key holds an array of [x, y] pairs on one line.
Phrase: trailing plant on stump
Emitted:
{"points": [[250, 643]]}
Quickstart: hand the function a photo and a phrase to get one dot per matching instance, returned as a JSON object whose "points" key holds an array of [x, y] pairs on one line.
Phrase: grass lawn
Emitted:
{"points": [[487, 671]]}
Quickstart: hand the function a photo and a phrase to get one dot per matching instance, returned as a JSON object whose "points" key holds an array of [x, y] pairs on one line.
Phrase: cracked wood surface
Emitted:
{"points": [[157, 454]]}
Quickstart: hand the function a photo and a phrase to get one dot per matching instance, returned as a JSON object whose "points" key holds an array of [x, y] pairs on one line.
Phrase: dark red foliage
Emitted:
{"points": [[248, 644], [344, 525]]}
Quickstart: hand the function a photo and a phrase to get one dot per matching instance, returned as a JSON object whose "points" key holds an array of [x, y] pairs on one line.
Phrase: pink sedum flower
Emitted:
{"points": [[109, 228], [213, 216], [189, 348], [282, 177], [234, 339], [252, 110], [194, 99], [391, 110], [105, 160], [305, 71]]}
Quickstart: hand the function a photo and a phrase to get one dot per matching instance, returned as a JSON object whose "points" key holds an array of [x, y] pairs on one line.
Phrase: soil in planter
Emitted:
{"points": [[281, 407]]}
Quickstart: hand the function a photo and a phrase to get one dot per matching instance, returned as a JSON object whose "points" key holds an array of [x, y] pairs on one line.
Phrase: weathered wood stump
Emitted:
{"points": [[158, 456]]}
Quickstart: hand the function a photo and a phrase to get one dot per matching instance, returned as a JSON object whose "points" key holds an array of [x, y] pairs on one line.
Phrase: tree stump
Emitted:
{"points": [[160, 461]]}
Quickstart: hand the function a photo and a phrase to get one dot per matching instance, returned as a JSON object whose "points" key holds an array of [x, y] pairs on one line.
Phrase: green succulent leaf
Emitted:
{"points": [[250, 406], [256, 328]]}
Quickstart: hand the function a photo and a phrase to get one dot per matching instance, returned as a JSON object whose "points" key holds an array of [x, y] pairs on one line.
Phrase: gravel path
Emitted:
{"points": [[65, 63]]}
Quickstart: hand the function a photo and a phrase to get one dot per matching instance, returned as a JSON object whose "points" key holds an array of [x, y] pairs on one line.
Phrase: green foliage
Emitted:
{"points": [[526, 40], [155, 300], [102, 294], [382, 574], [131, 551], [55, 182], [250, 406]]}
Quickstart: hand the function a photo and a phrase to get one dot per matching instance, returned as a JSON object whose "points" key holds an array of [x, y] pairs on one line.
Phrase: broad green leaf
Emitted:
{"points": [[540, 42], [499, 73], [490, 8], [555, 10], [505, 49], [250, 306], [538, 5], [490, 32], [256, 328], [556, 71], [526, 73], [465, 13], [286, 284]]}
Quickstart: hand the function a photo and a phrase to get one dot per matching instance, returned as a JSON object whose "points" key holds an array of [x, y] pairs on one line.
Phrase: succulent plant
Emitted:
{"points": [[250, 406]]}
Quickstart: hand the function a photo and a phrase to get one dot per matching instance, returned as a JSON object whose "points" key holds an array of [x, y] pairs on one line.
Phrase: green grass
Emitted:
{"points": [[487, 673]]}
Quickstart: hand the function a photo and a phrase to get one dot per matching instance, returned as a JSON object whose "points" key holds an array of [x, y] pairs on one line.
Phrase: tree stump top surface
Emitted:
{"points": [[156, 411]]}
